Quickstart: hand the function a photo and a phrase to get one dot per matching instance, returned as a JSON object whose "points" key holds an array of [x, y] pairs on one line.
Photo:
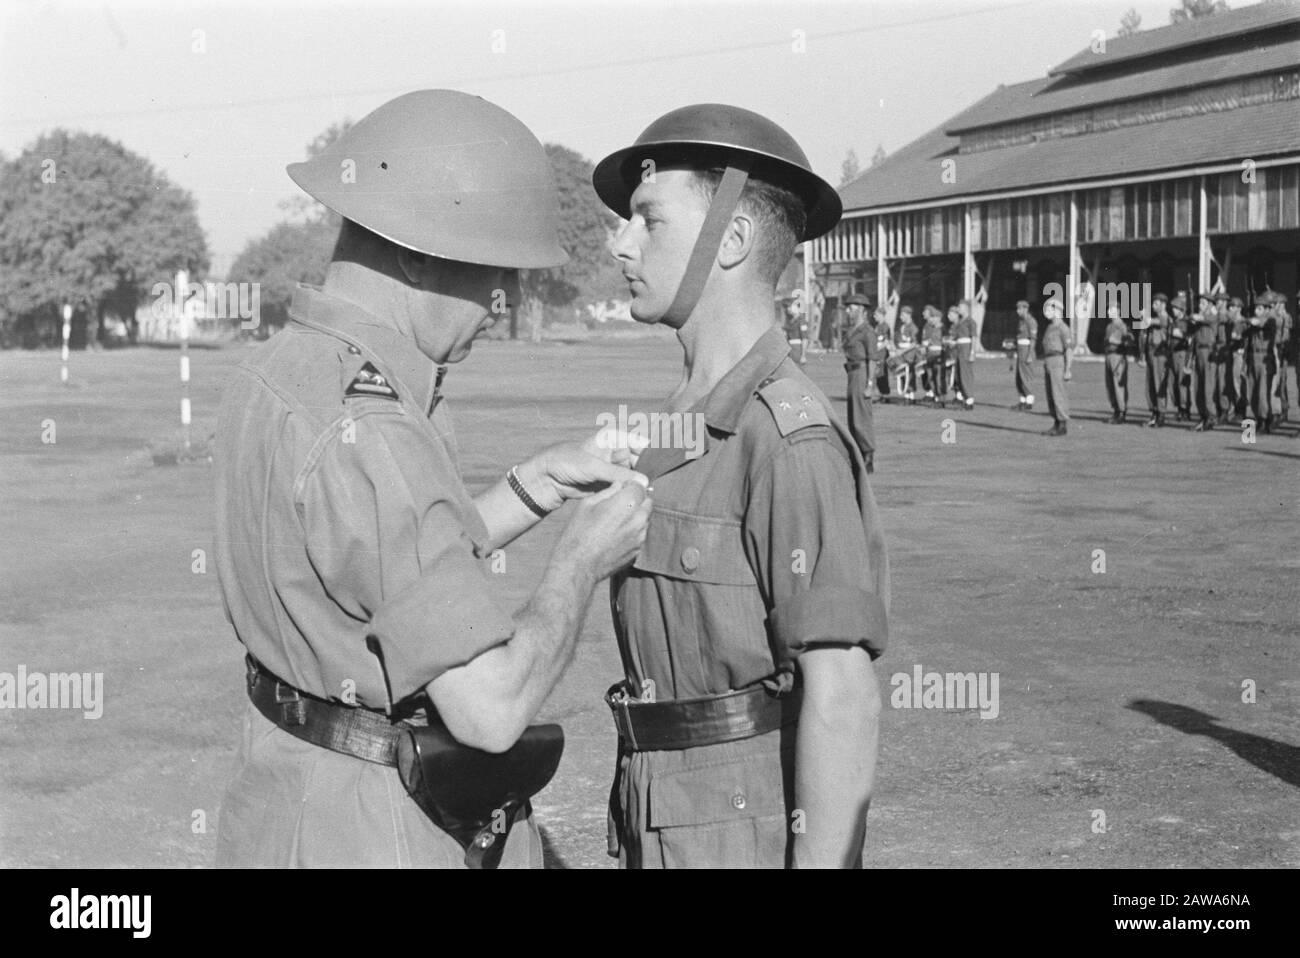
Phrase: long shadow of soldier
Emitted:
{"points": [[1277, 758]]}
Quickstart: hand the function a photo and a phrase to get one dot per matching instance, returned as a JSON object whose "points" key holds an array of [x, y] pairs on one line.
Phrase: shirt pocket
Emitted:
{"points": [[695, 548], [724, 815], [748, 787]]}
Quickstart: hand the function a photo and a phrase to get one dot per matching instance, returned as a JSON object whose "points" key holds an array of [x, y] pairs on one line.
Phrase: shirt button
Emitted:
{"points": [[354, 351], [738, 801], [690, 558]]}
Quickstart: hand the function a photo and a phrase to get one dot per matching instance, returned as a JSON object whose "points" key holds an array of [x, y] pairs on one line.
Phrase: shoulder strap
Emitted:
{"points": [[792, 406]]}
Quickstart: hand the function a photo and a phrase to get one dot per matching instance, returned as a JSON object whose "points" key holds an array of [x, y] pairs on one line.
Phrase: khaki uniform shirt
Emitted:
{"points": [[342, 521], [765, 544], [1056, 339]]}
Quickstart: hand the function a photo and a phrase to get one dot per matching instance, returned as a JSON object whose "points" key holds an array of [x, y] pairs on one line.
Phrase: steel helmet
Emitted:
{"points": [[716, 132], [745, 145], [447, 174]]}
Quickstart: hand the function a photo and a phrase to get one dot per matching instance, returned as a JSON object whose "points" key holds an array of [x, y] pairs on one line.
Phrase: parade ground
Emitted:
{"points": [[1125, 598]]}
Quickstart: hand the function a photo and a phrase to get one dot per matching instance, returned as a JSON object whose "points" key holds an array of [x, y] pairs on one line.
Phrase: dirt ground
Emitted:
{"points": [[1123, 737]]}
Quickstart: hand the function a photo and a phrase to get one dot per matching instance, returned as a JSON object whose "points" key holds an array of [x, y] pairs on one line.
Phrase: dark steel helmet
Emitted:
{"points": [[447, 174], [714, 132]]}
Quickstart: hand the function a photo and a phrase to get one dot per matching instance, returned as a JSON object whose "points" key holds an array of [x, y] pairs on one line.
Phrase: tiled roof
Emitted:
{"points": [[1220, 26], [914, 174], [1057, 94]]}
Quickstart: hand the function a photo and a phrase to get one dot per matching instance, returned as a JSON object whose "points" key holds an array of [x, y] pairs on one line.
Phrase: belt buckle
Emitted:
{"points": [[292, 707]]}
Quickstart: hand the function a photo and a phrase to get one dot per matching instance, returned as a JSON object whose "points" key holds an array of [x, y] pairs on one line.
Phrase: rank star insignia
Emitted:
{"points": [[783, 404], [370, 382]]}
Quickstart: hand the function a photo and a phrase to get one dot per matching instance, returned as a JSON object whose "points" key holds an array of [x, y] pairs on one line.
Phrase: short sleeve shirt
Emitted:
{"points": [[349, 551], [1056, 339], [766, 543]]}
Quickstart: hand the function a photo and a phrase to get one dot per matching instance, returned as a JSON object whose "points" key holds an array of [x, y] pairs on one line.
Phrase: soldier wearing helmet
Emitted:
{"points": [[352, 557], [748, 715], [859, 342]]}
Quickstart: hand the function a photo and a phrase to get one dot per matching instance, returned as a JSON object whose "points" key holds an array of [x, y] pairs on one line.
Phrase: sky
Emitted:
{"points": [[220, 96]]}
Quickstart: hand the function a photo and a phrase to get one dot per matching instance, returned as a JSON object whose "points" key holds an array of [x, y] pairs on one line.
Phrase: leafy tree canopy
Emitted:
{"points": [[86, 221]]}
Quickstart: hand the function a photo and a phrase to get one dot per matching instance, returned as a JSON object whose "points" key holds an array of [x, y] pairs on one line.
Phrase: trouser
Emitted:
{"points": [[1237, 377], [1222, 366], [1057, 401], [1259, 383], [1204, 384], [1156, 395], [861, 426], [1283, 394], [294, 804], [714, 806], [935, 373], [965, 372], [1117, 382], [908, 374], [1177, 367], [1023, 372]]}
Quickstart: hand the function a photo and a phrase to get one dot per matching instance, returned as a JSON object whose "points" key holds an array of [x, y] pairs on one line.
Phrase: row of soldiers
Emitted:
{"points": [[1233, 366], [934, 358]]}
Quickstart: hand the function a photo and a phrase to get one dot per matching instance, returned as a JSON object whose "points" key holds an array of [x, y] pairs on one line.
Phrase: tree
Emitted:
{"points": [[1130, 23], [585, 226], [84, 220], [291, 253], [1196, 9], [879, 156], [294, 251], [850, 170]]}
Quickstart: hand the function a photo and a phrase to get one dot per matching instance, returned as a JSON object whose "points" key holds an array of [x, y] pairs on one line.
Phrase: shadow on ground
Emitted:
{"points": [[1277, 758]]}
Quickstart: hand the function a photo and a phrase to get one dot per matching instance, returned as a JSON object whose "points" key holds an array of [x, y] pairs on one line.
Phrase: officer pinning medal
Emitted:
{"points": [[391, 697]]}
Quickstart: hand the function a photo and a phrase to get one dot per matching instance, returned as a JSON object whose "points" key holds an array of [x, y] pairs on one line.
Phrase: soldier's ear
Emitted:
{"points": [[738, 241]]}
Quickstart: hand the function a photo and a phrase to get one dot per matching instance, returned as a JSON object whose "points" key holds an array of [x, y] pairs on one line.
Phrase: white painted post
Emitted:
{"points": [[1203, 259], [1076, 262], [67, 332], [882, 264], [968, 256], [807, 297], [182, 287]]}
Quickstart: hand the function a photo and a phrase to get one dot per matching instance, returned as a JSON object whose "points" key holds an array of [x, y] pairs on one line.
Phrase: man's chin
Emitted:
{"points": [[644, 315]]}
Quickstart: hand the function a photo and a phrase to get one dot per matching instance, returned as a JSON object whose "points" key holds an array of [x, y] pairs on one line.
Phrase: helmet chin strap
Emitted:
{"points": [[716, 221]]}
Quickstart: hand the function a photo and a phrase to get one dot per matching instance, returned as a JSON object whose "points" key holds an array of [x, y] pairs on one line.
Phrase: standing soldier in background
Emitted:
{"points": [[1118, 340], [1205, 333], [1026, 336], [950, 354], [877, 350], [932, 342], [964, 335], [1221, 359], [1235, 346], [1154, 346], [856, 342], [1283, 339], [905, 338], [1179, 368], [1259, 363], [1057, 357]]}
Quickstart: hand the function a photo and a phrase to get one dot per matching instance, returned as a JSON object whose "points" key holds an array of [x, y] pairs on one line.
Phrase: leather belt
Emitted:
{"points": [[350, 730], [690, 723]]}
